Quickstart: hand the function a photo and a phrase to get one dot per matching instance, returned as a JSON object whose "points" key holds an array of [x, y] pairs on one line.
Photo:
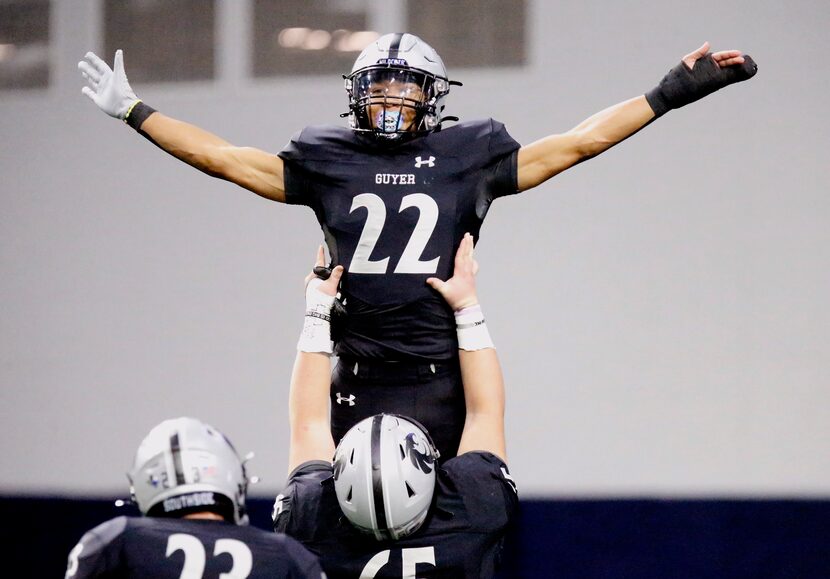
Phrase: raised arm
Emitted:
{"points": [[308, 398], [480, 369], [248, 167], [698, 74]]}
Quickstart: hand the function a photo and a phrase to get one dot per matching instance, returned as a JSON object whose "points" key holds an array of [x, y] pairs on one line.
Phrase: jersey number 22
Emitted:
{"points": [[410, 261]]}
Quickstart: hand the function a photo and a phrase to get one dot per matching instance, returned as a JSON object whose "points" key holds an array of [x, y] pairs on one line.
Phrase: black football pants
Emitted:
{"points": [[431, 393]]}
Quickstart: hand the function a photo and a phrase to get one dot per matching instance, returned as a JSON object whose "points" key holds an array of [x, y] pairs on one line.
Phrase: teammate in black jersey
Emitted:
{"points": [[394, 193], [384, 507], [191, 484]]}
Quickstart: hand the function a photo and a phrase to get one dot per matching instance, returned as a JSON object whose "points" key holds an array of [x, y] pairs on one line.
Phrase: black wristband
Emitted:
{"points": [[137, 114]]}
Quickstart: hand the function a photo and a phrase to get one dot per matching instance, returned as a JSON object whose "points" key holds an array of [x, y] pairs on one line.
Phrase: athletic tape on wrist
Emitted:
{"points": [[137, 114], [316, 334], [471, 329]]}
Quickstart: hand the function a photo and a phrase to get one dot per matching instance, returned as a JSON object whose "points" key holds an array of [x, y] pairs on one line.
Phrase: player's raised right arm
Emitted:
{"points": [[248, 167], [480, 370]]}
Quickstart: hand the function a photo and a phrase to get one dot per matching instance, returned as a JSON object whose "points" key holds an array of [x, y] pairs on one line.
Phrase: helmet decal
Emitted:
{"points": [[423, 461]]}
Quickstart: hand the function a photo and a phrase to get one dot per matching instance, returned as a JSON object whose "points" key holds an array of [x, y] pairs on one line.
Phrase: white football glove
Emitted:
{"points": [[108, 89]]}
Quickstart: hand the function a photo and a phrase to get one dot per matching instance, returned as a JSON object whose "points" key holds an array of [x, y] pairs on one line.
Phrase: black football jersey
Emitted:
{"points": [[127, 547], [393, 216], [462, 536]]}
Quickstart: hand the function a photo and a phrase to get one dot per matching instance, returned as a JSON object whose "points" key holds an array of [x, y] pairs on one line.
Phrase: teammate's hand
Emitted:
{"points": [[723, 58], [460, 290], [107, 88], [326, 285]]}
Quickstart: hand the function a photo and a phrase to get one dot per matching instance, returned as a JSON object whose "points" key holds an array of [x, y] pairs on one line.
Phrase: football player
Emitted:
{"points": [[384, 507], [394, 193], [190, 483]]}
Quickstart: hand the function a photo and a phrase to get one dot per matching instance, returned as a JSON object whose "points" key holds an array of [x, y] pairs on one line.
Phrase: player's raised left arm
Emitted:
{"points": [[308, 399], [698, 74]]}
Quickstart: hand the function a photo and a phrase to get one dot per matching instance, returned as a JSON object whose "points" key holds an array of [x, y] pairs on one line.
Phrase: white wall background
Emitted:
{"points": [[660, 311]]}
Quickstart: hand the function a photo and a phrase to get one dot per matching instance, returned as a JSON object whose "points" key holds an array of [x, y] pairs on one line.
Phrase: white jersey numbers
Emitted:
{"points": [[409, 559], [410, 261], [195, 557]]}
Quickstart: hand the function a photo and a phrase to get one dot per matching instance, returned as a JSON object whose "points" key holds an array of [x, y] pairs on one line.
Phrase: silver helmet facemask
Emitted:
{"points": [[396, 88]]}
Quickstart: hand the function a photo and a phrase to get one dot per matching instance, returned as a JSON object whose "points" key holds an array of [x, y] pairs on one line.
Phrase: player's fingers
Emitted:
{"points": [[336, 274], [91, 83], [321, 256], [724, 54], [465, 251], [470, 262], [96, 62], [88, 92], [89, 71], [118, 63], [694, 56], [731, 61], [435, 283]]}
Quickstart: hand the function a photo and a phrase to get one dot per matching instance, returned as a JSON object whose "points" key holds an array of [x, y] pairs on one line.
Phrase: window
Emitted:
{"points": [[308, 36], [293, 37], [492, 33], [24, 44], [163, 40]]}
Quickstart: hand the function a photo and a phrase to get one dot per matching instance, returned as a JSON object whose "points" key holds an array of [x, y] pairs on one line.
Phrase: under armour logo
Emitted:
{"points": [[278, 507], [509, 480], [429, 162], [342, 399]]}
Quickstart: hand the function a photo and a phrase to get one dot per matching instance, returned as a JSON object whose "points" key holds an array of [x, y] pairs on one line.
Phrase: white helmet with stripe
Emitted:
{"points": [[384, 475]]}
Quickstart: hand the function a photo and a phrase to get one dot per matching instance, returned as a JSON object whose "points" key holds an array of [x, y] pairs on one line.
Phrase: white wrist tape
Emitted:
{"points": [[316, 334], [472, 330]]}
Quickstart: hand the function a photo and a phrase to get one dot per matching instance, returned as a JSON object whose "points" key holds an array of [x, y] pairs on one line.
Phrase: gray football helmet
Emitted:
{"points": [[397, 88], [184, 465], [384, 475]]}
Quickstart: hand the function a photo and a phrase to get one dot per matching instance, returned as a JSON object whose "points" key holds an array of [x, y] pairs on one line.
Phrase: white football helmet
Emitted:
{"points": [[384, 475], [397, 87], [184, 465]]}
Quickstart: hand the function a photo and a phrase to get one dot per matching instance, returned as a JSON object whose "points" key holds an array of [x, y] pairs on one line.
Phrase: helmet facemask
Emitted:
{"points": [[391, 102]]}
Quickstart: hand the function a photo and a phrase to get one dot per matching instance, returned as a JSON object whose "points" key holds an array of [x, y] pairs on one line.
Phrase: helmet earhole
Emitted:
{"points": [[409, 491]]}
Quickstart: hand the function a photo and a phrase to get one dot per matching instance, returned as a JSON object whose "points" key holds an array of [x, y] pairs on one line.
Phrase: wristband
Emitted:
{"points": [[316, 334], [471, 329], [137, 114]]}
